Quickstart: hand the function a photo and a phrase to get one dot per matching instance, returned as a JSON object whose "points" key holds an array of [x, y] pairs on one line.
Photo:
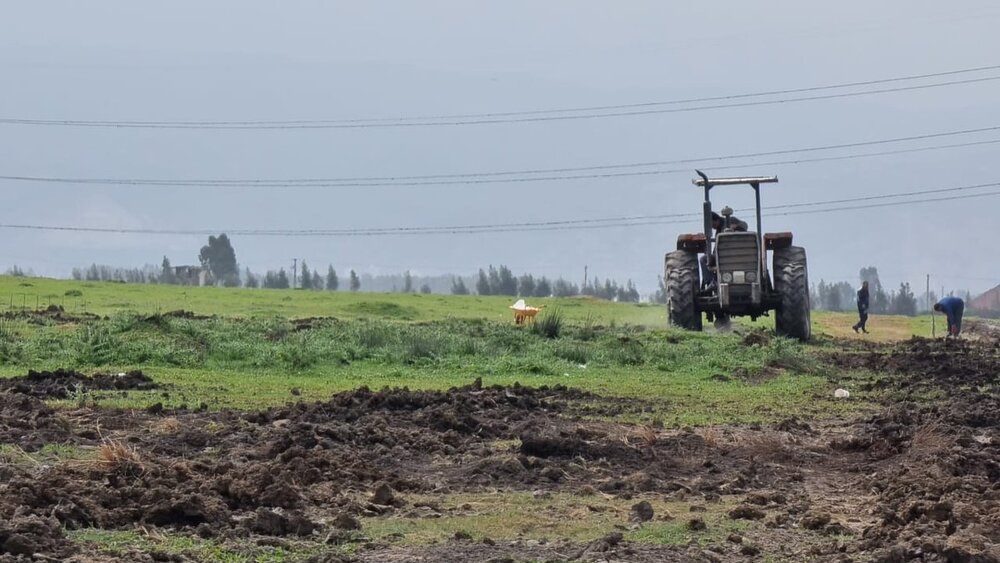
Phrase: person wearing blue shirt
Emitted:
{"points": [[952, 307]]}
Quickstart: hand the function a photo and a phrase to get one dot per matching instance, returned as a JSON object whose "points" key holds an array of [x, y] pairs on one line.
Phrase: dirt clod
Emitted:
{"points": [[746, 512], [815, 520], [383, 495], [641, 512]]}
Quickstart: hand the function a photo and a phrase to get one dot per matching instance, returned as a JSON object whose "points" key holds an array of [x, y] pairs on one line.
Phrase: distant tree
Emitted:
{"points": [[231, 280], [15, 271], [425, 288], [903, 301], [305, 276], [563, 288], [507, 281], [542, 287], [219, 257], [526, 285], [458, 287], [281, 281], [833, 302], [494, 276], [167, 272], [250, 280], [332, 283], [317, 281], [407, 282], [880, 300], [610, 290], [93, 273], [483, 284], [848, 295], [628, 293], [661, 291], [355, 281]]}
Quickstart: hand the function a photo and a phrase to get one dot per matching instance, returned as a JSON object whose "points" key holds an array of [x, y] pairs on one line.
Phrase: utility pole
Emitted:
{"points": [[295, 271], [584, 288], [928, 292]]}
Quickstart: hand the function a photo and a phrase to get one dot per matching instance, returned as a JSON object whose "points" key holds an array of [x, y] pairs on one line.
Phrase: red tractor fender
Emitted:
{"points": [[774, 241], [691, 242]]}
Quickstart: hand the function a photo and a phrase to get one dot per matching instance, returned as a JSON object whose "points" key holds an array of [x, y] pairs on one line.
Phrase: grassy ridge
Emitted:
{"points": [[688, 378], [105, 298]]}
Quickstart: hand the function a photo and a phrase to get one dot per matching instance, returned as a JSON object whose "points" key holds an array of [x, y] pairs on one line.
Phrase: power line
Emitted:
{"points": [[889, 204], [620, 110], [500, 176], [579, 224]]}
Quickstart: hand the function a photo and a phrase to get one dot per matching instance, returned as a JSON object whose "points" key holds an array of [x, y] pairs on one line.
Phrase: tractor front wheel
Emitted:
{"points": [[681, 278], [791, 281]]}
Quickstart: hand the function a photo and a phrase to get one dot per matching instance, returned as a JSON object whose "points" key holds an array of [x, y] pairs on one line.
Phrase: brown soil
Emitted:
{"points": [[62, 384], [918, 479]]}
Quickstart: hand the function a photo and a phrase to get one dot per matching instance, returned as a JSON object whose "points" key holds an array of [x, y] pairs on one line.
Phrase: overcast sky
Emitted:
{"points": [[263, 61]]}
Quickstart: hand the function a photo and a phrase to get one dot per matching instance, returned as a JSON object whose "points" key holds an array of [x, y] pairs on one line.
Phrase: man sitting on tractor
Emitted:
{"points": [[721, 223], [727, 221]]}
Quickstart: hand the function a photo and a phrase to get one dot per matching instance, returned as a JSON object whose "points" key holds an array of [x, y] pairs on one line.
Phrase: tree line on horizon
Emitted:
{"points": [[502, 281], [217, 265]]}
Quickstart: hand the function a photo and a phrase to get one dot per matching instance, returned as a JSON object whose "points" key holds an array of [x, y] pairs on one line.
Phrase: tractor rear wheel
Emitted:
{"points": [[681, 278], [791, 281]]}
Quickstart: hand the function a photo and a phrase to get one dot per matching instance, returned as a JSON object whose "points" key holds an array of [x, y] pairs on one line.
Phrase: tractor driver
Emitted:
{"points": [[727, 221], [721, 223]]}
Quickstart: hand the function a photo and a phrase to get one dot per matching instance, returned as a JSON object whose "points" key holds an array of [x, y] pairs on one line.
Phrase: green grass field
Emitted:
{"points": [[105, 298], [256, 352]]}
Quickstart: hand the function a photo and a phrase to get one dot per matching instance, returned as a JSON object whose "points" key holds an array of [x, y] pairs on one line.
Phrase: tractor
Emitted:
{"points": [[732, 278]]}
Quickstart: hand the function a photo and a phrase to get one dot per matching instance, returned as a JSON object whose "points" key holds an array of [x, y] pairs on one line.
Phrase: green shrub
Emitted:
{"points": [[589, 329], [470, 347], [298, 352], [549, 326], [417, 346], [573, 353], [94, 345], [627, 352], [373, 336]]}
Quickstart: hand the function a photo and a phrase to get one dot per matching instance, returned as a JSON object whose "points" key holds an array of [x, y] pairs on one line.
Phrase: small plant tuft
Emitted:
{"points": [[549, 326]]}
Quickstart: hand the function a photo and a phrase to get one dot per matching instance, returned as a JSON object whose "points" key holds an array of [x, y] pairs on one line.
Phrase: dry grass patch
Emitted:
{"points": [[169, 425], [929, 439], [118, 458], [713, 437], [770, 445]]}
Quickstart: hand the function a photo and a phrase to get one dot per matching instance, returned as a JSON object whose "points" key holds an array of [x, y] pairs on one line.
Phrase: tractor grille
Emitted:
{"points": [[737, 252]]}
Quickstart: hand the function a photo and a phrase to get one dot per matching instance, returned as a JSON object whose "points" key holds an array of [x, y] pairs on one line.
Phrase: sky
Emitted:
{"points": [[312, 60]]}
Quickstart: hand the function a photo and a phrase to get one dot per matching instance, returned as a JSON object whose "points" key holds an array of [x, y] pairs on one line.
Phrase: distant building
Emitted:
{"points": [[989, 301], [192, 275]]}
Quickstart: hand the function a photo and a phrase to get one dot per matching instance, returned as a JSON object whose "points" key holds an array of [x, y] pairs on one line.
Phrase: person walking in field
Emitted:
{"points": [[952, 307], [862, 308]]}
